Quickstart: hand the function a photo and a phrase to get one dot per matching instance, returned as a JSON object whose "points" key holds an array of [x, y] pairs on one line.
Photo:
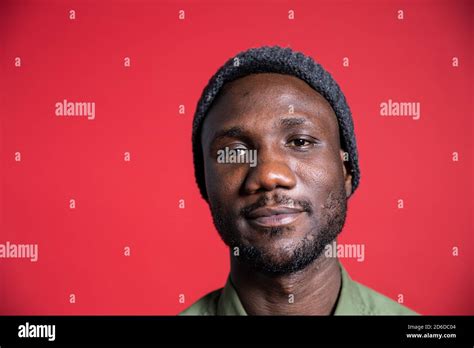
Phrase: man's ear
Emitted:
{"points": [[347, 175]]}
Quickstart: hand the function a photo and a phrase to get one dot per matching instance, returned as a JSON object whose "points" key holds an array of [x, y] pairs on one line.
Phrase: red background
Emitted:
{"points": [[177, 251]]}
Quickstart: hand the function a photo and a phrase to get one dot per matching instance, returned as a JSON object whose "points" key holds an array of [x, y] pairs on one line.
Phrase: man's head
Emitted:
{"points": [[283, 212]]}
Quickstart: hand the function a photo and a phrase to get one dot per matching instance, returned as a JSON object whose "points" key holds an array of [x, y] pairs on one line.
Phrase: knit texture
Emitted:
{"points": [[283, 61]]}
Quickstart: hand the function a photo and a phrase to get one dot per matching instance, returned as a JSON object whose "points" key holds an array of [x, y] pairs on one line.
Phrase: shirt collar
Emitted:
{"points": [[349, 301]]}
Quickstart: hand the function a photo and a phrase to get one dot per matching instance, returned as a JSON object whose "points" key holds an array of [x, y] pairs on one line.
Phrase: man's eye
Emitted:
{"points": [[299, 142], [240, 151]]}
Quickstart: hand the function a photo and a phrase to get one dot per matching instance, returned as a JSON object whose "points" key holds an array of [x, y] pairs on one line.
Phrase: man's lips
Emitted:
{"points": [[274, 216]]}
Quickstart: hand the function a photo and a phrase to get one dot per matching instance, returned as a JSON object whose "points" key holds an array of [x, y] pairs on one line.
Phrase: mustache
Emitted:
{"points": [[278, 199]]}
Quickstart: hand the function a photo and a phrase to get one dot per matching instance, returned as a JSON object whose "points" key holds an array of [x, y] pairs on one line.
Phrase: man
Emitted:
{"points": [[278, 216]]}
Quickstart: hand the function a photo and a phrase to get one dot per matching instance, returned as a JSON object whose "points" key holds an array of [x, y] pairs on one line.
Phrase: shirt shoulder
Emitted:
{"points": [[375, 303], [206, 305]]}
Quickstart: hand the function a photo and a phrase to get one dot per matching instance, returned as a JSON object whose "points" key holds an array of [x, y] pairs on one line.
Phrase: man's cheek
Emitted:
{"points": [[322, 175], [227, 179]]}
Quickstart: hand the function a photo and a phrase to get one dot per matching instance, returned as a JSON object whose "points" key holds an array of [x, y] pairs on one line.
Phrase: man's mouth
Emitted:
{"points": [[274, 216]]}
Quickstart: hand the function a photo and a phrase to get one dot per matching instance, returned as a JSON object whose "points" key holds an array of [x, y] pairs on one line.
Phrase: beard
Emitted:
{"points": [[325, 227]]}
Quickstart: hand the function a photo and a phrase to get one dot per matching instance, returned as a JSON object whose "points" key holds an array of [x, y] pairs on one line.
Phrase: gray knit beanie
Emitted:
{"points": [[283, 61]]}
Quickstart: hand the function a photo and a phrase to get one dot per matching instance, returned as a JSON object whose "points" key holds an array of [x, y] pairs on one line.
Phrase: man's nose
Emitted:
{"points": [[269, 174]]}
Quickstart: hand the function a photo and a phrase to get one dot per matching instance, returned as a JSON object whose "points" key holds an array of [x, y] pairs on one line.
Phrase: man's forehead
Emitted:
{"points": [[270, 95], [287, 86]]}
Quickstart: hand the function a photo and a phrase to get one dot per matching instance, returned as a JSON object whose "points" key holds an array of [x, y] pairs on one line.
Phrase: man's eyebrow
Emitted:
{"points": [[289, 122], [231, 132]]}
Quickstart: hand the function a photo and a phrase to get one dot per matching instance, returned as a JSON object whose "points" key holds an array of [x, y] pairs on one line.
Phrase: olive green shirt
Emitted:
{"points": [[354, 299]]}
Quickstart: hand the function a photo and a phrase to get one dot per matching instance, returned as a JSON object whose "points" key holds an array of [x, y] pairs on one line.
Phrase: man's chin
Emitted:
{"points": [[278, 242], [277, 261], [276, 238]]}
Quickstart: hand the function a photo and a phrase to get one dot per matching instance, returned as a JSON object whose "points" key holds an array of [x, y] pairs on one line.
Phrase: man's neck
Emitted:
{"points": [[312, 291]]}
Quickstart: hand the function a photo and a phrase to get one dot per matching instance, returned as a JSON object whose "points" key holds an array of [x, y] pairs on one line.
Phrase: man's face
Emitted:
{"points": [[281, 213]]}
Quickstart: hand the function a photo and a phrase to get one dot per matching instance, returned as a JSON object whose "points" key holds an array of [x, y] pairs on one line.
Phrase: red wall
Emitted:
{"points": [[176, 251]]}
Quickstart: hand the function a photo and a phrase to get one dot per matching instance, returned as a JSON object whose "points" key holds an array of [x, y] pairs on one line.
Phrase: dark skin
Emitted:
{"points": [[296, 135]]}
